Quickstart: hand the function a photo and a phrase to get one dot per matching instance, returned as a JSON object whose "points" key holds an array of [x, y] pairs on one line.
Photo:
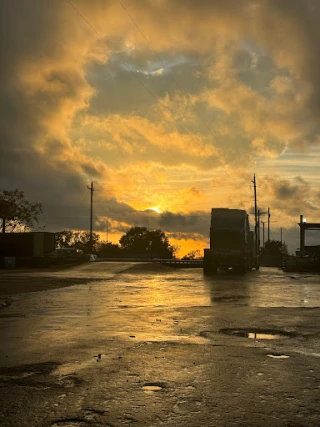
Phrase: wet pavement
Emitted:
{"points": [[148, 345]]}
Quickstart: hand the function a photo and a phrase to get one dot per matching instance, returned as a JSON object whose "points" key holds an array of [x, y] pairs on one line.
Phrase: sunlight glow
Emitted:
{"points": [[156, 209]]}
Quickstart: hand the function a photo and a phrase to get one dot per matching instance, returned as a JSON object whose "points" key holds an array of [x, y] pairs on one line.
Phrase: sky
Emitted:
{"points": [[168, 106]]}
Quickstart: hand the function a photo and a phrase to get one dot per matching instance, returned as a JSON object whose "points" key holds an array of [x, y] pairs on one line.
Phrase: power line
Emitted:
{"points": [[91, 211]]}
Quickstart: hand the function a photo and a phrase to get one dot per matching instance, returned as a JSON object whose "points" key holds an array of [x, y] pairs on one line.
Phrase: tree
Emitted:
{"points": [[77, 239], [17, 212], [64, 239], [82, 241], [192, 255], [141, 242], [275, 248], [109, 250]]}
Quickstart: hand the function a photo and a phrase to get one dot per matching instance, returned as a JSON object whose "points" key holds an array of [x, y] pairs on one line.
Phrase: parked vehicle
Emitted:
{"points": [[66, 253], [71, 254], [232, 244]]}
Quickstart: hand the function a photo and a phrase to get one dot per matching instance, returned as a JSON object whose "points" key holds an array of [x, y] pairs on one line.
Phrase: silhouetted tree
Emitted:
{"points": [[274, 248], [77, 239], [192, 255], [175, 250], [64, 239], [141, 242], [17, 212], [109, 250]]}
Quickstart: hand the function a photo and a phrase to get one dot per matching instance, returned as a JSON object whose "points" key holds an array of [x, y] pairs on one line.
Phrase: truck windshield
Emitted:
{"points": [[226, 239]]}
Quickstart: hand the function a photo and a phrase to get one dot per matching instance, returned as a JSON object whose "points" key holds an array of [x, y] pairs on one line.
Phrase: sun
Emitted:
{"points": [[155, 209]]}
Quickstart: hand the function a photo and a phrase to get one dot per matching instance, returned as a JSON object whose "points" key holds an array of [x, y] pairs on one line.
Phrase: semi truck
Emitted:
{"points": [[232, 244]]}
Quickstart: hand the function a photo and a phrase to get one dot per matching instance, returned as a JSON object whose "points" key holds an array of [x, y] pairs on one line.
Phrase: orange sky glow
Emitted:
{"points": [[169, 107]]}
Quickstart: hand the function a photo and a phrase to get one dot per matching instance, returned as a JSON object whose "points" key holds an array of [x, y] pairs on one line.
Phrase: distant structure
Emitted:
{"points": [[307, 257], [23, 247], [304, 226]]}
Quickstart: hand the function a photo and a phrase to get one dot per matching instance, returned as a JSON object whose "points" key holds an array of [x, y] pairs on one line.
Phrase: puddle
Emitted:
{"points": [[263, 336], [152, 387], [258, 334], [278, 356]]}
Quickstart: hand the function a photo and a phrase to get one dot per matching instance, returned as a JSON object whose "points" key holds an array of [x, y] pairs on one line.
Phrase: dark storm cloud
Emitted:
{"points": [[120, 82], [293, 197], [287, 191], [32, 98], [197, 222]]}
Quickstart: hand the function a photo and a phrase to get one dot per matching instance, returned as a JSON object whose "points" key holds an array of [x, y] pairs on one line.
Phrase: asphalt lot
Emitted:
{"points": [[113, 344]]}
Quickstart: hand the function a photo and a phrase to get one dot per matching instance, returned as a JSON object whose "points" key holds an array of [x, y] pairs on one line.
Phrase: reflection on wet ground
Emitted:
{"points": [[151, 388], [153, 305], [278, 356], [258, 334], [164, 347], [269, 287], [162, 305]]}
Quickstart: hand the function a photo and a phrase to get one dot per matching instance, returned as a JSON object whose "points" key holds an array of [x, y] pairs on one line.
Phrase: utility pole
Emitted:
{"points": [[256, 213], [259, 213], [281, 235], [263, 233], [269, 225], [91, 209]]}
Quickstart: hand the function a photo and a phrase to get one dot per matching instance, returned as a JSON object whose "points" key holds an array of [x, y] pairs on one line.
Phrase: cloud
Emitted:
{"points": [[76, 105], [287, 200], [150, 141], [192, 222]]}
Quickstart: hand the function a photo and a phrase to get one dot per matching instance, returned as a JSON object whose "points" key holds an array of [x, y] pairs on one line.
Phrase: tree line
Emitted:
{"points": [[18, 214], [137, 242]]}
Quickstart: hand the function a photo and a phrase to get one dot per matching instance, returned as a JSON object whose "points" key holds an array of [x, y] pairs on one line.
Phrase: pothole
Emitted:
{"points": [[68, 381], [258, 334], [205, 334]]}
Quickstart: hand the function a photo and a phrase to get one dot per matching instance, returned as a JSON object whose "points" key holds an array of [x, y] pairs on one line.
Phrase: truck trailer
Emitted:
{"points": [[232, 244], [26, 245]]}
